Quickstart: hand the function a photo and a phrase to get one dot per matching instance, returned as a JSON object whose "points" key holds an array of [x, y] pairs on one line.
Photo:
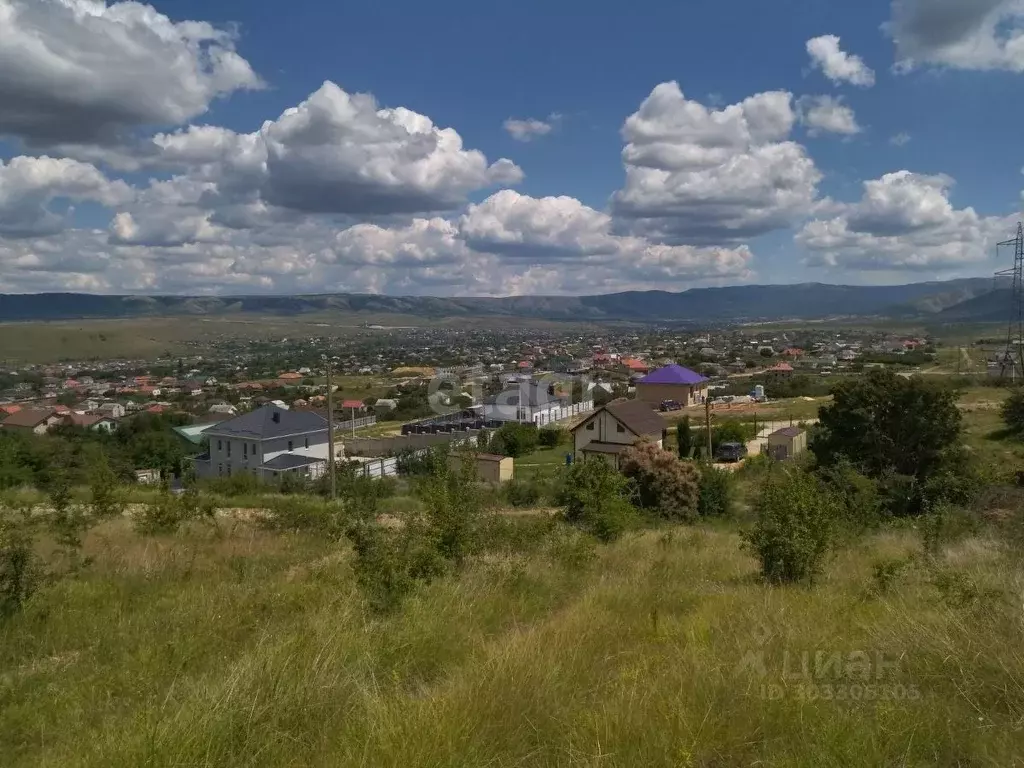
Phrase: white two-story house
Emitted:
{"points": [[613, 428], [267, 442]]}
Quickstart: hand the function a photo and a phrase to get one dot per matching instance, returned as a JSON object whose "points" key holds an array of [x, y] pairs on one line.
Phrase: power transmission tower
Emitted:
{"points": [[1011, 366]]}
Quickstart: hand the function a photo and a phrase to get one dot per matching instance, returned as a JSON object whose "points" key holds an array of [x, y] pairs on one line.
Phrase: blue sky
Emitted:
{"points": [[136, 159]]}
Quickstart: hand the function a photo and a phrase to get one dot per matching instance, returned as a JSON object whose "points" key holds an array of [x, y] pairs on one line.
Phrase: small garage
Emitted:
{"points": [[490, 467], [787, 443]]}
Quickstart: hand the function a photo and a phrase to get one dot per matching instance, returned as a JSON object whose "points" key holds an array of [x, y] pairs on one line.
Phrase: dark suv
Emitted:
{"points": [[730, 452]]}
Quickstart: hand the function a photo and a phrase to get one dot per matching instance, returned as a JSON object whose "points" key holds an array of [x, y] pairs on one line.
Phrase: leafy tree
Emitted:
{"points": [[595, 497], [1013, 411], [716, 492], [684, 438], [795, 528], [666, 486], [552, 437], [515, 439], [454, 505], [906, 432], [105, 499], [21, 569]]}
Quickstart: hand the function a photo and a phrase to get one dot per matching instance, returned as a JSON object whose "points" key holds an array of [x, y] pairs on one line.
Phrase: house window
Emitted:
{"points": [[220, 469], [619, 428], [590, 426], [245, 450], [229, 470], [254, 449], [220, 447], [229, 449], [291, 446]]}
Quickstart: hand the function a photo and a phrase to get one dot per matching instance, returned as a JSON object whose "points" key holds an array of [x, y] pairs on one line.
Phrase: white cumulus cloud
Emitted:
{"points": [[84, 71], [531, 128], [827, 114], [701, 176], [904, 221], [837, 65], [29, 186]]}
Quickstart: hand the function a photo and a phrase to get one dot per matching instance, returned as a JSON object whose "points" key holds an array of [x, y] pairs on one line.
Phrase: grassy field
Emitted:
{"points": [[152, 337], [232, 646]]}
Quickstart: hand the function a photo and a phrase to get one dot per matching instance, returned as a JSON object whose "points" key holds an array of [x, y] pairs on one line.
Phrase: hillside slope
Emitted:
{"points": [[745, 302]]}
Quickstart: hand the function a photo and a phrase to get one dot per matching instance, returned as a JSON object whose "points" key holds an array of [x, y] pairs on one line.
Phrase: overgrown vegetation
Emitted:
{"points": [[419, 621], [795, 528], [664, 485]]}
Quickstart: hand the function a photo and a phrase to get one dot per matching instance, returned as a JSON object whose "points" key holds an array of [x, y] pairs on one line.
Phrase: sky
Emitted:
{"points": [[483, 149]]}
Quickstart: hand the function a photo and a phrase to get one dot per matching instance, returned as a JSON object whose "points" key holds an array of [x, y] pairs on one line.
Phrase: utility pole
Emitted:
{"points": [[330, 430], [707, 424]]}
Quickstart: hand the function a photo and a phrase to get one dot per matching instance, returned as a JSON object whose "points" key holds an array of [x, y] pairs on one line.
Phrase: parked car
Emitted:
{"points": [[731, 452], [670, 405]]}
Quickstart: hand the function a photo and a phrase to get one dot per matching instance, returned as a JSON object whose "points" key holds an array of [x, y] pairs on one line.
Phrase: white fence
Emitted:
{"points": [[551, 415], [363, 421], [379, 467]]}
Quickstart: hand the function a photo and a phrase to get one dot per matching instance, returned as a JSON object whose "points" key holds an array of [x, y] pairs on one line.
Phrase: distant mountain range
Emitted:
{"points": [[969, 299]]}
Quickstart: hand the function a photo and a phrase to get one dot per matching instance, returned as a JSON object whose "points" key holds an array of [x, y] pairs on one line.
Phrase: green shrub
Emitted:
{"points": [[524, 493], [684, 438], [886, 572], [595, 497], [552, 437], [292, 515], [858, 496], [389, 562], [453, 510], [21, 570], [945, 525], [716, 492], [572, 549], [1012, 411], [664, 485], [516, 533], [515, 440], [168, 512], [795, 528], [238, 484], [106, 500]]}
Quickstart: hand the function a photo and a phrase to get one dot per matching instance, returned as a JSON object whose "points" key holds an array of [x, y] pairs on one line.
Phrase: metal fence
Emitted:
{"points": [[363, 421]]}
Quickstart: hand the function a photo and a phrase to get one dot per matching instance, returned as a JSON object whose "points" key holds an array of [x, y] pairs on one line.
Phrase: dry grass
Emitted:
{"points": [[232, 646]]}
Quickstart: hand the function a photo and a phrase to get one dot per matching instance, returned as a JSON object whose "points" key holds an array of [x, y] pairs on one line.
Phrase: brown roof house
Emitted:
{"points": [[35, 420], [613, 428], [94, 421]]}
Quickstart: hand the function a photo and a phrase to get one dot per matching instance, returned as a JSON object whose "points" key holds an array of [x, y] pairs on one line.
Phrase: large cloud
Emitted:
{"points": [[82, 71], [30, 185], [546, 230], [336, 153], [904, 221], [701, 176], [965, 34], [342, 153], [183, 251]]}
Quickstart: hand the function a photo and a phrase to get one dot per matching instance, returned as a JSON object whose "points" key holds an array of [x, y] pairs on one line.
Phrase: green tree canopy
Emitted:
{"points": [[886, 425]]}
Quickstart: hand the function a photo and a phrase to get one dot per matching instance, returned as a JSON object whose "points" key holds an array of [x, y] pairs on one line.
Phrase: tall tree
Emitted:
{"points": [[684, 437], [906, 430]]}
